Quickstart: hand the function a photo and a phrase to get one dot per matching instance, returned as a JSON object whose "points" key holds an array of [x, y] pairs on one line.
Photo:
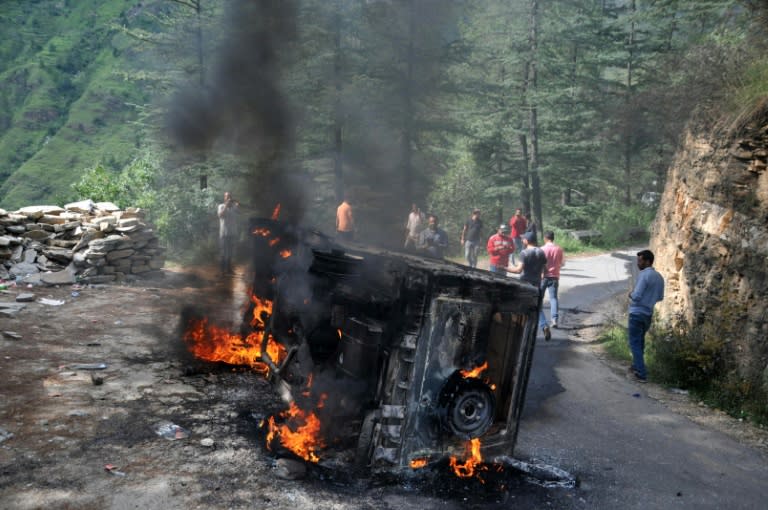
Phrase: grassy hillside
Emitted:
{"points": [[64, 105]]}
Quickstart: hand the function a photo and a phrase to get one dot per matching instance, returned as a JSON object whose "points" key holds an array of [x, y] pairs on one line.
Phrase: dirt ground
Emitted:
{"points": [[75, 435]]}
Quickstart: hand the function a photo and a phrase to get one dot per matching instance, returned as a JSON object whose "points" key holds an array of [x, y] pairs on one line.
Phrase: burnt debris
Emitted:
{"points": [[389, 361]]}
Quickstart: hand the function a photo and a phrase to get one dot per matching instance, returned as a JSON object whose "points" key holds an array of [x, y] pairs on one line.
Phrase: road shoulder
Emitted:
{"points": [[587, 332]]}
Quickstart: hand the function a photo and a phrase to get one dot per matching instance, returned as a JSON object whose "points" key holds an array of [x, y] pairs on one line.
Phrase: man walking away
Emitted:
{"points": [[227, 213], [518, 224], [530, 268], [345, 223], [470, 237], [551, 280], [413, 227], [499, 248], [649, 290]]}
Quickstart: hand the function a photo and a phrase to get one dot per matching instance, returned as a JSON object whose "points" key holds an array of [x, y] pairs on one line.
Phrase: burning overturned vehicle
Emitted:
{"points": [[388, 361]]}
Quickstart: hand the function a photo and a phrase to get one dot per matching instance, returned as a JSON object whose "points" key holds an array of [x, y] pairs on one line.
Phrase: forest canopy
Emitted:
{"points": [[569, 109]]}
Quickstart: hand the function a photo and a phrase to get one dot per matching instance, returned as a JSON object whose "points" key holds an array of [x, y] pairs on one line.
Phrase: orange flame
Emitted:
{"points": [[285, 253], [274, 241], [418, 463], [475, 372], [261, 311], [339, 333], [276, 212], [213, 343], [300, 433], [467, 468], [261, 231]]}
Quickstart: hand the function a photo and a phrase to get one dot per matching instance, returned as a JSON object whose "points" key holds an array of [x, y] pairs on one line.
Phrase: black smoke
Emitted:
{"points": [[242, 110]]}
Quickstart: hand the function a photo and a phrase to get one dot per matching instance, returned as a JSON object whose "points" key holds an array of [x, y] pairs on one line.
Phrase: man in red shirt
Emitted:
{"points": [[499, 247], [518, 224], [551, 280]]}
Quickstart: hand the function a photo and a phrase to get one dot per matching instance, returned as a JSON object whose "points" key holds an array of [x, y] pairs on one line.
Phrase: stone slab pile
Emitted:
{"points": [[86, 242]]}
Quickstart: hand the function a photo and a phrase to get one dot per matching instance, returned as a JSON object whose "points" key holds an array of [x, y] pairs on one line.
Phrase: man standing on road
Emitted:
{"points": [[413, 227], [433, 241], [531, 265], [227, 213], [518, 224], [649, 290], [499, 247], [551, 280], [470, 237]]}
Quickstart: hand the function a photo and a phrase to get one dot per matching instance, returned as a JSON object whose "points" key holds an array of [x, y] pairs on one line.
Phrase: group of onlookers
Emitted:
{"points": [[537, 266], [515, 240]]}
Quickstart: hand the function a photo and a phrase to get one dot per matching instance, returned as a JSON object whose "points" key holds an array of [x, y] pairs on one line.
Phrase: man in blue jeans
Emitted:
{"points": [[551, 280], [649, 290]]}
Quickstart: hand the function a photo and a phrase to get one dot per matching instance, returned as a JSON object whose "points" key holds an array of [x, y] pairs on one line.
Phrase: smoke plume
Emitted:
{"points": [[242, 110]]}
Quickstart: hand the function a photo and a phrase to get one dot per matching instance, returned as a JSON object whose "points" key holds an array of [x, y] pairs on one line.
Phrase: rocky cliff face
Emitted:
{"points": [[711, 240]]}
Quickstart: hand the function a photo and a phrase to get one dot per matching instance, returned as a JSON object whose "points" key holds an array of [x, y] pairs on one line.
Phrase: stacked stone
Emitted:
{"points": [[83, 242]]}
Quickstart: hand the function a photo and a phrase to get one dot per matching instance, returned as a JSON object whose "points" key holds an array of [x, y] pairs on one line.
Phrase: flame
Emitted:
{"points": [[274, 241], [468, 468], [285, 253], [261, 231], [261, 311], [418, 463], [300, 433], [475, 372], [276, 212], [339, 333], [213, 343]]}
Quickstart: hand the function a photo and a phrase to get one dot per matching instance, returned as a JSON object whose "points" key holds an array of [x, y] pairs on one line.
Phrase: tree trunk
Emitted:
{"points": [[533, 118], [627, 100], [407, 101], [338, 168], [199, 37], [525, 192]]}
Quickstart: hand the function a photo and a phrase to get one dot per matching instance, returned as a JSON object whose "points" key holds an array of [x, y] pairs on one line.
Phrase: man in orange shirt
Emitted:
{"points": [[345, 223]]}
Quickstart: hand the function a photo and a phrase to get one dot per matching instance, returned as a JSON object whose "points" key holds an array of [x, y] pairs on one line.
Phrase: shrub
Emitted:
{"points": [[687, 358], [697, 358]]}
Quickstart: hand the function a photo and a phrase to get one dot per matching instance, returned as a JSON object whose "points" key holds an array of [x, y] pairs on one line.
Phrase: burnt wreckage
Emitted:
{"points": [[410, 357]]}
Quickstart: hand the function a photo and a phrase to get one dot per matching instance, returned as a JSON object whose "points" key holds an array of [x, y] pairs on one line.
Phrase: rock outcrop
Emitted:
{"points": [[711, 241], [81, 242]]}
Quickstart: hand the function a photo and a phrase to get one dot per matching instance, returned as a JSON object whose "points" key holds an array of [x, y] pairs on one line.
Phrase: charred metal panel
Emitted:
{"points": [[415, 356]]}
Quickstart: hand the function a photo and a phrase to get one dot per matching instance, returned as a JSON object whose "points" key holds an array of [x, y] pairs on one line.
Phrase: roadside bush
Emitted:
{"points": [[695, 359], [691, 359], [580, 217], [615, 219], [133, 186]]}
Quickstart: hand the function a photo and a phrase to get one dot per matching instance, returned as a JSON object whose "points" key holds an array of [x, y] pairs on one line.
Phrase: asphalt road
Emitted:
{"points": [[628, 450]]}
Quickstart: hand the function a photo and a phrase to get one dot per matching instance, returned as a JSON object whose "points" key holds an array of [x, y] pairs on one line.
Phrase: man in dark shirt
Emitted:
{"points": [[433, 241], [531, 266], [470, 237]]}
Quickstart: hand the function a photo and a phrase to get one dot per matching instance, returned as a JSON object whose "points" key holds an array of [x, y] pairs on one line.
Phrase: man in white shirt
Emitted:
{"points": [[227, 213]]}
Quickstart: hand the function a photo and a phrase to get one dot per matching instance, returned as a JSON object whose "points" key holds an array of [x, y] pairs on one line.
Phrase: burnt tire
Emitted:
{"points": [[365, 441]]}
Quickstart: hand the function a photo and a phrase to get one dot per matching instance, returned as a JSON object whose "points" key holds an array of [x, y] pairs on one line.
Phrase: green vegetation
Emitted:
{"points": [[698, 361], [448, 104]]}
